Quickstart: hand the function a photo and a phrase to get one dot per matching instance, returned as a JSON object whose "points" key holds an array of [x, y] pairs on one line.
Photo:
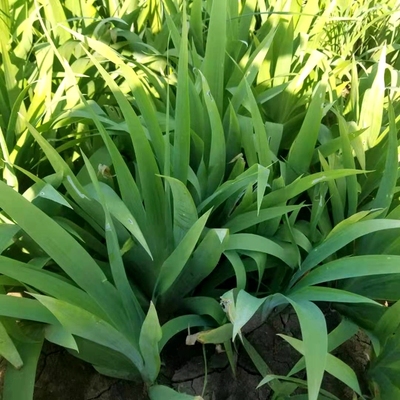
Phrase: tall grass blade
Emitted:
{"points": [[387, 184], [20, 384], [214, 59], [174, 264], [217, 150], [349, 268], [315, 340], [8, 349], [373, 105], [181, 152], [302, 149], [150, 335]]}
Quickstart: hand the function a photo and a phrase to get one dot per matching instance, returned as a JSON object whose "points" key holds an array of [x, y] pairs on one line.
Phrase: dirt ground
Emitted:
{"points": [[61, 376]]}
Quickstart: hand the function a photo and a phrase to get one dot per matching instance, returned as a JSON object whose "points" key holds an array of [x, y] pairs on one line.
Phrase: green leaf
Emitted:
{"points": [[348, 162], [129, 190], [8, 170], [248, 241], [384, 383], [131, 304], [196, 25], [48, 283], [350, 268], [262, 183], [58, 335], [55, 14], [302, 149], [22, 308], [231, 356], [260, 259], [373, 105], [229, 188], [389, 323], [175, 263], [204, 306], [312, 293], [185, 213], [201, 264], [144, 102], [217, 150], [248, 143], [47, 191], [315, 342], [7, 232], [283, 51], [378, 287], [118, 210], [251, 218], [73, 186], [181, 152], [261, 365], [8, 350], [86, 237], [298, 383], [214, 59], [247, 19], [260, 135], [251, 70], [313, 328], [19, 384], [64, 250], [105, 360], [337, 200], [80, 322], [151, 185], [150, 335], [361, 215], [387, 184], [160, 392], [341, 238], [343, 332], [334, 366], [238, 266], [246, 306], [279, 196]]}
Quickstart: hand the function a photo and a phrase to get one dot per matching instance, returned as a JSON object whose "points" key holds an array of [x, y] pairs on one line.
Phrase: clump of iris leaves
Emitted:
{"points": [[162, 157]]}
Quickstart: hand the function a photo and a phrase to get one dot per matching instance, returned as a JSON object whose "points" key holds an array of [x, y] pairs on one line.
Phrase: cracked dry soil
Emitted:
{"points": [[61, 376]]}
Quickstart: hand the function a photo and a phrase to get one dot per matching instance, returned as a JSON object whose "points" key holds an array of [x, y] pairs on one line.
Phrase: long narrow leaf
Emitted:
{"points": [[19, 384], [150, 335], [340, 239], [63, 249], [133, 310], [350, 268], [214, 59], [182, 115], [175, 263], [84, 324]]}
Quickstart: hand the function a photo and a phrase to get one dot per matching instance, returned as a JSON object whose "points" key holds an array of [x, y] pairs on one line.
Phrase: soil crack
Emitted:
{"points": [[45, 357], [102, 392], [248, 370], [192, 378]]}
